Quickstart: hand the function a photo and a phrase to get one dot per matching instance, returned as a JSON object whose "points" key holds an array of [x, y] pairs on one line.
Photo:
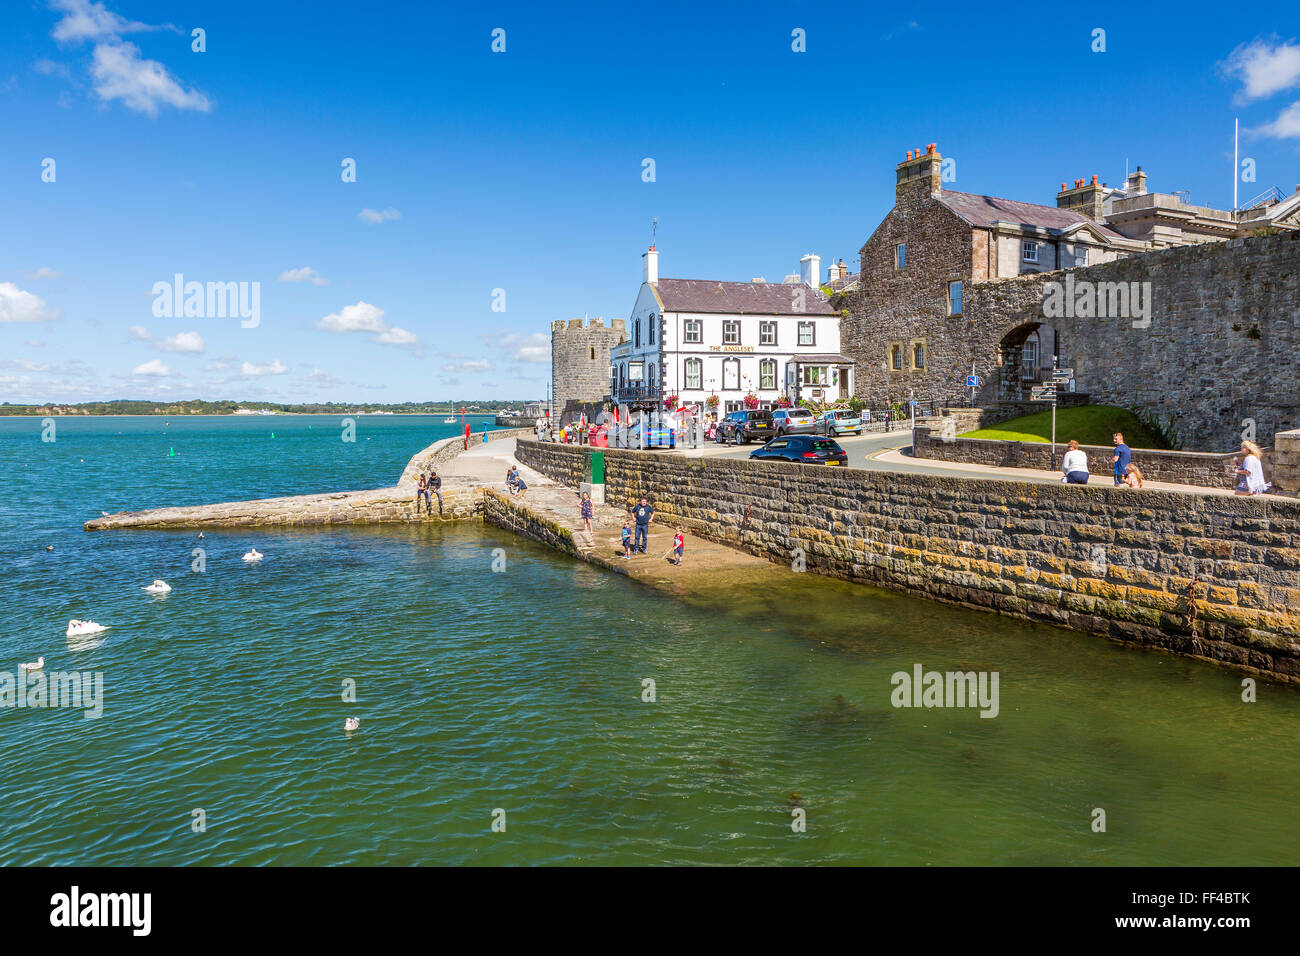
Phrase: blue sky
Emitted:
{"points": [[522, 171]]}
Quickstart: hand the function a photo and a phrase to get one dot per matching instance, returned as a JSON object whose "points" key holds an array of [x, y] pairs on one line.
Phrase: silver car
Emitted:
{"points": [[793, 421]]}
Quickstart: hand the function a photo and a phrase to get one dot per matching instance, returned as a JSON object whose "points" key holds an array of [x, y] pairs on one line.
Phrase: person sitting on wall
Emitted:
{"points": [[1250, 470], [1075, 465], [1133, 476]]}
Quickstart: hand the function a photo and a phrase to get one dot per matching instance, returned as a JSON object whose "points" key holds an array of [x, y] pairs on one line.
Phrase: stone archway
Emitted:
{"points": [[1013, 382]]}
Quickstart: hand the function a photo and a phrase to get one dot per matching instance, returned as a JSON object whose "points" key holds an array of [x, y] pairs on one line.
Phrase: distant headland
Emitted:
{"points": [[199, 407]]}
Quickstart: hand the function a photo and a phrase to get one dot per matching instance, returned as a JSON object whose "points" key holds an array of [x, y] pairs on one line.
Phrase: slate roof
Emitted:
{"points": [[740, 298], [984, 211]]}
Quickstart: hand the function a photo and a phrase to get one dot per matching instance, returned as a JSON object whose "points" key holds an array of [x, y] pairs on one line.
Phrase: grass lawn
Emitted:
{"points": [[1086, 424]]}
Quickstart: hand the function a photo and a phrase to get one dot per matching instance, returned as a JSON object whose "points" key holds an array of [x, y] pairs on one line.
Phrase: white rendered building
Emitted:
{"points": [[693, 338]]}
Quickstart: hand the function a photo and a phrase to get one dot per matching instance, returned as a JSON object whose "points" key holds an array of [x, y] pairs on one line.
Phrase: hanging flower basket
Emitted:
{"points": [[670, 403], [783, 402], [751, 400], [711, 402]]}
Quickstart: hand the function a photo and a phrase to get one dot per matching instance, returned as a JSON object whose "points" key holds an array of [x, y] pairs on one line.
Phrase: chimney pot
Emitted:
{"points": [[1062, 187], [909, 155], [1094, 179]]}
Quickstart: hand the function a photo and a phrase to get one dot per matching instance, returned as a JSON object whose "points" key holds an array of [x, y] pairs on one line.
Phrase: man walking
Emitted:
{"points": [[1121, 458], [642, 513]]}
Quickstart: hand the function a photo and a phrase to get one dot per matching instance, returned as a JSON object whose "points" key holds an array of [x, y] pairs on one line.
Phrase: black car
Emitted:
{"points": [[744, 426], [804, 450]]}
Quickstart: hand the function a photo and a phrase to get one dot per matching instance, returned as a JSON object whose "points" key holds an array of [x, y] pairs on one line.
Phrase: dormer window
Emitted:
{"points": [[1029, 251]]}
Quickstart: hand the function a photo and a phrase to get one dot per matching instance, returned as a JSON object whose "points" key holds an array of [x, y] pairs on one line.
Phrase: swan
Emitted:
{"points": [[80, 628], [253, 555], [159, 586], [200, 534], [352, 723], [36, 665]]}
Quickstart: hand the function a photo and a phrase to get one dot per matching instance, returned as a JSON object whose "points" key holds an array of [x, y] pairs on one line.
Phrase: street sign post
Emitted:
{"points": [[1047, 393]]}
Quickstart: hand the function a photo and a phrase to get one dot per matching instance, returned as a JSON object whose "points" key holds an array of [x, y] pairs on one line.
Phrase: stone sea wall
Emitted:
{"points": [[376, 506], [1211, 470], [1208, 576]]}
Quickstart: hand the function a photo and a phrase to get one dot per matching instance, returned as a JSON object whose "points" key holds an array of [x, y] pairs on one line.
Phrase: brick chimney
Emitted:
{"points": [[918, 176], [1086, 198]]}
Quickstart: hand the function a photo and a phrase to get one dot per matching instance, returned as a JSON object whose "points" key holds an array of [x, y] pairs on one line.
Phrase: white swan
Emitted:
{"points": [[352, 723], [159, 586], [38, 664], [81, 628], [253, 555]]}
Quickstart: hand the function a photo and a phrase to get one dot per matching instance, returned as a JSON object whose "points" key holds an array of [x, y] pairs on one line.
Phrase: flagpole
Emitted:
{"points": [[1236, 131]]}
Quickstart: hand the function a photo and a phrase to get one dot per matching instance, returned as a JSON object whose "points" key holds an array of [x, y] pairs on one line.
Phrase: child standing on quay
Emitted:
{"points": [[679, 545], [586, 510], [627, 538]]}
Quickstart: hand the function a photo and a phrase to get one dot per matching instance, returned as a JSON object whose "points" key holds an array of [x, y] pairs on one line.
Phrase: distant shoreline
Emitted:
{"points": [[184, 415]]}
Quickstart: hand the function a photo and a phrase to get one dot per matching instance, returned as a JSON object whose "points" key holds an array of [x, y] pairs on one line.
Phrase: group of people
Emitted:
{"points": [[634, 542], [1249, 468], [515, 483], [426, 489]]}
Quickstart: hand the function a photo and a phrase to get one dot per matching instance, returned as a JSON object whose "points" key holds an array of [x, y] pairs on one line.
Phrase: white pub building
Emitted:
{"points": [[696, 338]]}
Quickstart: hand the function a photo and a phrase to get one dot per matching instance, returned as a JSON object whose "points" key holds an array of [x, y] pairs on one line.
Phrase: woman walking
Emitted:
{"points": [[1250, 470], [1075, 465]]}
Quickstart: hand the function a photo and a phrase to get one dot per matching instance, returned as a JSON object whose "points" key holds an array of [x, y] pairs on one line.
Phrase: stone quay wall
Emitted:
{"points": [[376, 506], [1208, 469], [1286, 462], [1214, 577]]}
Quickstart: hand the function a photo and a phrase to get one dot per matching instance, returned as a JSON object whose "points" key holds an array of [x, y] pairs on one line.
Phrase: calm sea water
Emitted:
{"points": [[522, 691]]}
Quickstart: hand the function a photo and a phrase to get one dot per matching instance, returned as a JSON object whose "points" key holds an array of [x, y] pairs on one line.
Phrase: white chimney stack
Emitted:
{"points": [[810, 270], [650, 265]]}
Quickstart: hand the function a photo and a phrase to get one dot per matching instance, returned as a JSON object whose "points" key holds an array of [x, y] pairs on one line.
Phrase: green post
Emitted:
{"points": [[596, 468]]}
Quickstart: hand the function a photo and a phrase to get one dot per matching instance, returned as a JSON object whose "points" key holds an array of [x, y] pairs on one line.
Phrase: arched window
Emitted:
{"points": [[694, 373], [918, 355], [593, 353], [896, 357], [650, 329]]}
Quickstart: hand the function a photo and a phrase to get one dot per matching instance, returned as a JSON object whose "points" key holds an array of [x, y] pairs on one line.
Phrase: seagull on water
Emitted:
{"points": [[36, 665], [253, 555], [159, 586], [352, 723]]}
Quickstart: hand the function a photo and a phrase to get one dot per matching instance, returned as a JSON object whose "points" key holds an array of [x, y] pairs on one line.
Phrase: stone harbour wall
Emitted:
{"points": [[1211, 470], [1215, 577]]}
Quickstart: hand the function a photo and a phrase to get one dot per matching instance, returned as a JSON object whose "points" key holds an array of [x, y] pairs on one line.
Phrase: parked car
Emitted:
{"points": [[793, 421], [744, 426], [803, 449], [840, 421]]}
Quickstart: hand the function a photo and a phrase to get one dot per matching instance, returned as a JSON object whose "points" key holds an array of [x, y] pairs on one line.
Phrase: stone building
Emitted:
{"points": [[954, 284], [580, 364]]}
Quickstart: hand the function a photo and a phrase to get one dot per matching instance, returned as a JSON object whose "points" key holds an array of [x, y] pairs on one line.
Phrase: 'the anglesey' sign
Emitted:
{"points": [[731, 348]]}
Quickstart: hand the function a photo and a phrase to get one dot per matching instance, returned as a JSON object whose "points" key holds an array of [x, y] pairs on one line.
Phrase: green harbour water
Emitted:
{"points": [[523, 691]]}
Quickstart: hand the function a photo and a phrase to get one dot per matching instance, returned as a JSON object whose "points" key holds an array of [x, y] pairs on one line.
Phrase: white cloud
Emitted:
{"points": [[44, 272], [19, 306], [35, 344], [220, 364], [320, 378], [50, 68], [1264, 67], [305, 274], [375, 216], [522, 348], [472, 365], [182, 342], [84, 20], [1287, 124], [364, 317], [143, 85], [396, 336], [27, 365], [153, 367], [140, 333], [273, 367]]}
